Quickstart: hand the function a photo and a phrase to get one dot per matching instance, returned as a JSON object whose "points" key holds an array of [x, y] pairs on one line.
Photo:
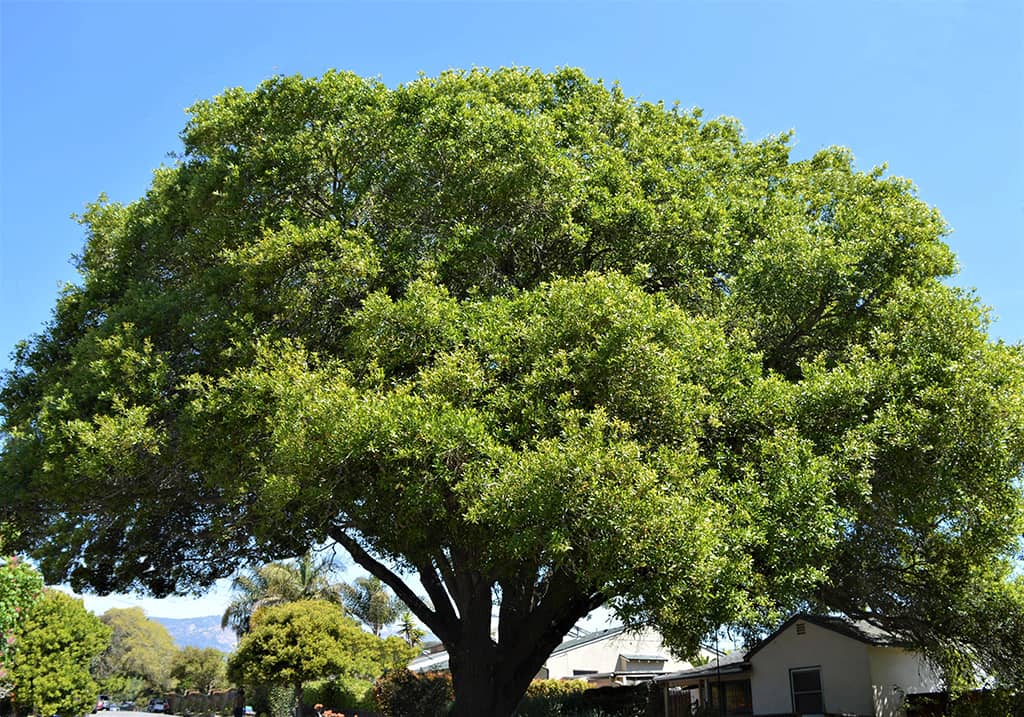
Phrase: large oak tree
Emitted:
{"points": [[535, 345]]}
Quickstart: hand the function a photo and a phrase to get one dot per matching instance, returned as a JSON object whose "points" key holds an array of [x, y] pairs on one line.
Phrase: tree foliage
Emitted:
{"points": [[20, 587], [408, 630], [369, 600], [524, 338], [51, 661], [139, 648], [198, 669]]}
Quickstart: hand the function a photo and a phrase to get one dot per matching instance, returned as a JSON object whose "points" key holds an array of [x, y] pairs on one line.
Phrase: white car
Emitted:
{"points": [[157, 706]]}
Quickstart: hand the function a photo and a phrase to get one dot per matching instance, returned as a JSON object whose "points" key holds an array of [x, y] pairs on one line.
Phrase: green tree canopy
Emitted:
{"points": [[139, 648], [199, 669], [522, 338], [293, 643], [51, 662]]}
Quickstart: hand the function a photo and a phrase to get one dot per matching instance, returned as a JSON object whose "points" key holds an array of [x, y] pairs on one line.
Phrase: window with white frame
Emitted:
{"points": [[806, 686]]}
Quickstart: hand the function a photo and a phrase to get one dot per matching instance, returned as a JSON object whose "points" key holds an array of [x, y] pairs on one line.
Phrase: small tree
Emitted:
{"points": [[60, 639], [20, 587], [293, 643], [199, 669], [409, 630]]}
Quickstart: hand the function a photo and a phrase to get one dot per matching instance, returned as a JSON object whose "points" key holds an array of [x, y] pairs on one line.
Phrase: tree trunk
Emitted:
{"points": [[298, 699], [484, 687], [490, 679], [473, 700], [537, 609]]}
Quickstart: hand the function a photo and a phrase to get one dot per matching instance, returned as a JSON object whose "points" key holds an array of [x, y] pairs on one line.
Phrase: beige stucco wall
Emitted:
{"points": [[845, 671], [602, 655], [896, 673]]}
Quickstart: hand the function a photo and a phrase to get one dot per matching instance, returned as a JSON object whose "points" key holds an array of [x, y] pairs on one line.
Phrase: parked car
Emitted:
{"points": [[103, 702], [157, 705]]}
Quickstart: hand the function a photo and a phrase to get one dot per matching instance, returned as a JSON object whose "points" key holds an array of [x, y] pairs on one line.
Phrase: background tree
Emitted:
{"points": [[139, 655], [293, 643], [409, 631], [199, 669], [20, 587], [369, 600], [50, 664], [524, 339], [305, 578]]}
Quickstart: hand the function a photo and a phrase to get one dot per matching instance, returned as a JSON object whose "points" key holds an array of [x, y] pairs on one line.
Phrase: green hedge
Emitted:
{"points": [[401, 693], [555, 688], [573, 698]]}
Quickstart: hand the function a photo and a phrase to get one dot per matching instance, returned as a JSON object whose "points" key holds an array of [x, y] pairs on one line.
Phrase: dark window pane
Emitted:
{"points": [[807, 681], [737, 698], [810, 703]]}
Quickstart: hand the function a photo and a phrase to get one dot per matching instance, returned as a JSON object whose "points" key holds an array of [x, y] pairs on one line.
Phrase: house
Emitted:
{"points": [[724, 680], [613, 656], [433, 658], [811, 665]]}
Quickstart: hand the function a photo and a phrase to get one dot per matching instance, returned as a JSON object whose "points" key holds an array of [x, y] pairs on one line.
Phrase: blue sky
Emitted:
{"points": [[93, 95]]}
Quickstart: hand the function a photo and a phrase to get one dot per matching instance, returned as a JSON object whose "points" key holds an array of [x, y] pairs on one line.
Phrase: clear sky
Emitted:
{"points": [[94, 94]]}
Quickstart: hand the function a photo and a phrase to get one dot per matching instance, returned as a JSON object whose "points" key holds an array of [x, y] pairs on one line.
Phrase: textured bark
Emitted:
{"points": [[486, 684]]}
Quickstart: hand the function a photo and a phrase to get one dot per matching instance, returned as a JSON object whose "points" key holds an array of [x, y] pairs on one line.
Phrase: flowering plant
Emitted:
{"points": [[20, 586]]}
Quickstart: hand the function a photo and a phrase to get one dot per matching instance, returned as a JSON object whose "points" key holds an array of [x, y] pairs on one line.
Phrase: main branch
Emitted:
{"points": [[437, 620]]}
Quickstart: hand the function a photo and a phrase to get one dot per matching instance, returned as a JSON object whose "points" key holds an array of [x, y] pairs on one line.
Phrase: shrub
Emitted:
{"points": [[343, 694], [989, 703], [555, 688], [282, 701], [574, 698], [401, 693], [546, 698]]}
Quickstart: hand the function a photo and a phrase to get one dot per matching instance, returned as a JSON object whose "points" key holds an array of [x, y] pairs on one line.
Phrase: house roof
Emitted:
{"points": [[589, 638], [434, 662], [725, 665], [439, 660], [860, 630], [629, 675]]}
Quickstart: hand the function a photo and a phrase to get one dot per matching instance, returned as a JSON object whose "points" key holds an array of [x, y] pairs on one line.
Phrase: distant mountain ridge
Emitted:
{"points": [[198, 632]]}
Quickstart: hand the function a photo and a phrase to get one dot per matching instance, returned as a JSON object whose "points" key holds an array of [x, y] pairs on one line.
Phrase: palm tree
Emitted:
{"points": [[409, 630], [304, 578], [370, 600]]}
